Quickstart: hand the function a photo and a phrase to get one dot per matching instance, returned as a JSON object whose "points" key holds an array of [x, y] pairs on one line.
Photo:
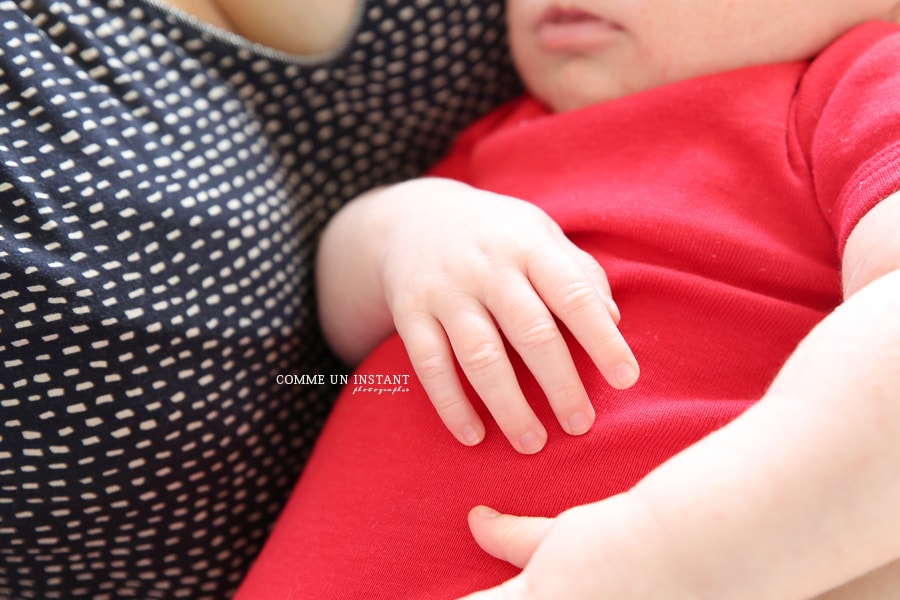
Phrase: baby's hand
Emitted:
{"points": [[460, 263]]}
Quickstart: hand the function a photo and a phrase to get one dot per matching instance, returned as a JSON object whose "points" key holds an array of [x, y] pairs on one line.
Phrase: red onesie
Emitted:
{"points": [[719, 208]]}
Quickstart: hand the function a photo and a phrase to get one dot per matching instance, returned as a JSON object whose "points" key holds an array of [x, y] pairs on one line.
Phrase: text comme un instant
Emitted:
{"points": [[355, 379]]}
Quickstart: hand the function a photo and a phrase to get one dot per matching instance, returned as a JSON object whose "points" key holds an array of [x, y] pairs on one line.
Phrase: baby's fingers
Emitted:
{"points": [[597, 276], [576, 291], [532, 331], [482, 356], [432, 358]]}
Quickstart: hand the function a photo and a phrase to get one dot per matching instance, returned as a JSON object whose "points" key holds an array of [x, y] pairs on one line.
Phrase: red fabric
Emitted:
{"points": [[718, 207]]}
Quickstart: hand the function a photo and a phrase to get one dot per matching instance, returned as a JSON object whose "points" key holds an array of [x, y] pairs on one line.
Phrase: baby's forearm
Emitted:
{"points": [[799, 494], [351, 304]]}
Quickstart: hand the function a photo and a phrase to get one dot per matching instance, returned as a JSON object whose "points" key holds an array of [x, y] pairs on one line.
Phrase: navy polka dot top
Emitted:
{"points": [[162, 185]]}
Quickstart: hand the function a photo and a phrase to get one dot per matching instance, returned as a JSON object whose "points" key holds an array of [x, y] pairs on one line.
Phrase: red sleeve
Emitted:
{"points": [[848, 121]]}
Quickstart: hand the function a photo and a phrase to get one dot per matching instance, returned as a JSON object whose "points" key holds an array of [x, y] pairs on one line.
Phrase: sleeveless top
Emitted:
{"points": [[162, 186]]}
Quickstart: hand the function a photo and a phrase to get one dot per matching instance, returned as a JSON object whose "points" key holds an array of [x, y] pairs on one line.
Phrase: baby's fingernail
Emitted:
{"points": [[531, 442], [626, 374], [579, 423], [486, 512], [471, 436]]}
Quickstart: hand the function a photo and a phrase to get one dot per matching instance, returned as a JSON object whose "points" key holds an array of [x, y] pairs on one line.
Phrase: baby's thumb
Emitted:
{"points": [[507, 537]]}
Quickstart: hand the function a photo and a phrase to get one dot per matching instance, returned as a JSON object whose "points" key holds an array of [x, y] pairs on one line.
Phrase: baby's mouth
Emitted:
{"points": [[562, 29], [558, 15]]}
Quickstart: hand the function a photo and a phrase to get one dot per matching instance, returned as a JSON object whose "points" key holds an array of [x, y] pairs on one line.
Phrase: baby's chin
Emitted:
{"points": [[565, 95], [574, 88], [564, 102], [569, 104]]}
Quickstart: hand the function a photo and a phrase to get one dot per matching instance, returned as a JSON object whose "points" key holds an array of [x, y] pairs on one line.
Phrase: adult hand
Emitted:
{"points": [[461, 269]]}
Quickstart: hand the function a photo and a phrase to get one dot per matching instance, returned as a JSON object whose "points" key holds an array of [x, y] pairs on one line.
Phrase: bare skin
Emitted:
{"points": [[306, 28]]}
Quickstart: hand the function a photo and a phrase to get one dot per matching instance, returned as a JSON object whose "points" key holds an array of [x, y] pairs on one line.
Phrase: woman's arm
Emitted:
{"points": [[795, 497]]}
